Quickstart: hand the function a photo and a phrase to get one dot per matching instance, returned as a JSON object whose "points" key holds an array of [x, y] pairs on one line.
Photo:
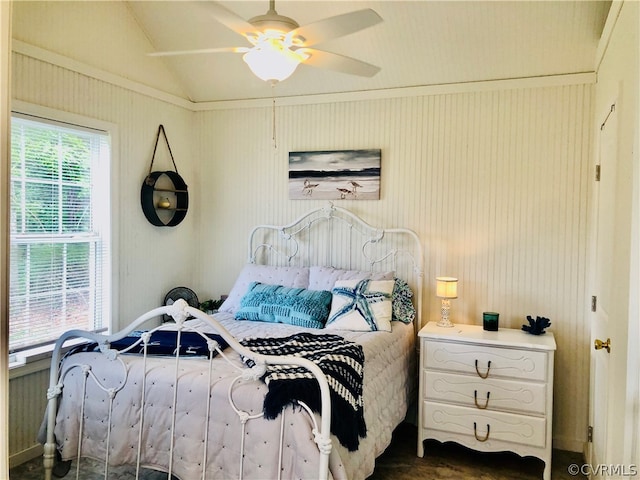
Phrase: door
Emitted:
{"points": [[603, 326]]}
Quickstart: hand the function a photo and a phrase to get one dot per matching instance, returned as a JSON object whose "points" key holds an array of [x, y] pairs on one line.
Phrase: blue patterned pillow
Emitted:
{"points": [[278, 304], [403, 309], [361, 305]]}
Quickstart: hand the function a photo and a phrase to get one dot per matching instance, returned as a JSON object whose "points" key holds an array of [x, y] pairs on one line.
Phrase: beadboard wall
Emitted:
{"points": [[150, 260], [153, 259], [27, 403], [495, 182]]}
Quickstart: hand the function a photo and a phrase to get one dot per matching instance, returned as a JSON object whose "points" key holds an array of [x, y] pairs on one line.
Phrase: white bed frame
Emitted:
{"points": [[329, 236]]}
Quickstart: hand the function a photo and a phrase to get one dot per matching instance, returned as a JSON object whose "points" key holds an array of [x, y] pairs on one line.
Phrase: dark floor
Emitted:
{"points": [[449, 461], [441, 462]]}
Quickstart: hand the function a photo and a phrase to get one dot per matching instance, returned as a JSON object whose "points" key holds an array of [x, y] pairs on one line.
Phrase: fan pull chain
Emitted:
{"points": [[273, 114]]}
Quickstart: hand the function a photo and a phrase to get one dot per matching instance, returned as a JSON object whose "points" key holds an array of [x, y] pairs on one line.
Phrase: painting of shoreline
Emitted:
{"points": [[335, 175]]}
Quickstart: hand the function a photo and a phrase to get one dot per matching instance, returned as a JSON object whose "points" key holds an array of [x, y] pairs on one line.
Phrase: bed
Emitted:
{"points": [[304, 372]]}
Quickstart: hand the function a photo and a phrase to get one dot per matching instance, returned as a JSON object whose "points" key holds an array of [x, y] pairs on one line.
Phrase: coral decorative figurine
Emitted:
{"points": [[537, 326]]}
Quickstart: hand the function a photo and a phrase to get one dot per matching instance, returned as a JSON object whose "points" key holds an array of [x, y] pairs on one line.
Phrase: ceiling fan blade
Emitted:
{"points": [[335, 27], [339, 63], [228, 18], [199, 51]]}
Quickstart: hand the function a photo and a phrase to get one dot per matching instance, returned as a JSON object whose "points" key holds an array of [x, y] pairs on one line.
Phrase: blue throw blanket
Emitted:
{"points": [[161, 342], [341, 361]]}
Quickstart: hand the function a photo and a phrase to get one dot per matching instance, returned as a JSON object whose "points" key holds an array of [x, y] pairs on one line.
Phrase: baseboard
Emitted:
{"points": [[568, 444], [25, 455]]}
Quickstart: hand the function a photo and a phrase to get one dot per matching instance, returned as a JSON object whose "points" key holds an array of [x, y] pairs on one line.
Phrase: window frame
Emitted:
{"points": [[45, 114]]}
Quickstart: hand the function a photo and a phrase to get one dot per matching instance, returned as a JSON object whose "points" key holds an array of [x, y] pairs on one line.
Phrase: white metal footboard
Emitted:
{"points": [[180, 311]]}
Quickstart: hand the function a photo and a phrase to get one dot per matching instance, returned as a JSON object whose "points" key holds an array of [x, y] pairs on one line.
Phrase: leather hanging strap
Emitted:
{"points": [[151, 180], [181, 203], [153, 157]]}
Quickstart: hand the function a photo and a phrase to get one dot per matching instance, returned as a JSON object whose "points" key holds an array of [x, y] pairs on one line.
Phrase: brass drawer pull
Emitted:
{"points": [[475, 433], [488, 368], [475, 399]]}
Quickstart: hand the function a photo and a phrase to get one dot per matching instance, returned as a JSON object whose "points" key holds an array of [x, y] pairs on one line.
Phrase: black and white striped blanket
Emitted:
{"points": [[341, 361]]}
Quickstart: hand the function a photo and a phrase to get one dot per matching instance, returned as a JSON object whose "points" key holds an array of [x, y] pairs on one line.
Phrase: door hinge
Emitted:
{"points": [[590, 434], [594, 303], [597, 173]]}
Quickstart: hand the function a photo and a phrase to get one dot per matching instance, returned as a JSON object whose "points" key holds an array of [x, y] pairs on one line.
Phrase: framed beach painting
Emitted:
{"points": [[335, 175]]}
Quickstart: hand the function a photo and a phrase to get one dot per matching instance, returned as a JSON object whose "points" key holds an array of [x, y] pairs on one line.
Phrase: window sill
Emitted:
{"points": [[34, 360]]}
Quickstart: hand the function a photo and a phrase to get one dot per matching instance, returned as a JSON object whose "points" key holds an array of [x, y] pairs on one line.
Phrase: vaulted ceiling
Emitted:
{"points": [[418, 43]]}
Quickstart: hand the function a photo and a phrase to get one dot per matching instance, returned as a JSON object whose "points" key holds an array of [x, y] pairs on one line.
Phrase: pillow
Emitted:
{"points": [[278, 304], [402, 306], [297, 277], [324, 278], [361, 305]]}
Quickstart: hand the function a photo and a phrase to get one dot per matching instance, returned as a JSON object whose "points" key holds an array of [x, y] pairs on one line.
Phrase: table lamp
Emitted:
{"points": [[446, 288]]}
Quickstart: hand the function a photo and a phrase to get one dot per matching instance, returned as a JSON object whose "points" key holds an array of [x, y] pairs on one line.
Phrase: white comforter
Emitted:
{"points": [[389, 376]]}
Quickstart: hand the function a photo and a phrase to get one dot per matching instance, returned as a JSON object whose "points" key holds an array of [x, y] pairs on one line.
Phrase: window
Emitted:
{"points": [[60, 230]]}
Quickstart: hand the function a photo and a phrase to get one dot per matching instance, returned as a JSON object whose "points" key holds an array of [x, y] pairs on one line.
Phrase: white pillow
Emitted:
{"points": [[361, 305], [324, 278], [293, 277]]}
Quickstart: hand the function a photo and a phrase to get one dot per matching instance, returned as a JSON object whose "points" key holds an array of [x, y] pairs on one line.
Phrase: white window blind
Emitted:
{"points": [[60, 231]]}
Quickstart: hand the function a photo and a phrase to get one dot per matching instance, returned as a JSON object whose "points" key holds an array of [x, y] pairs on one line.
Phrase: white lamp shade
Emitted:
{"points": [[270, 63], [446, 287]]}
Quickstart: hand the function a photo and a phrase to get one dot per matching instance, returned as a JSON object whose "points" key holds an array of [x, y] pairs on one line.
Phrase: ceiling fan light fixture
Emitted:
{"points": [[274, 21], [279, 44], [271, 61]]}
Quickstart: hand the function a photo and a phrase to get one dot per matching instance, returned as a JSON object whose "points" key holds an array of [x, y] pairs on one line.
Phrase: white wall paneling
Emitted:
{"points": [[155, 259], [150, 260], [27, 403], [495, 182]]}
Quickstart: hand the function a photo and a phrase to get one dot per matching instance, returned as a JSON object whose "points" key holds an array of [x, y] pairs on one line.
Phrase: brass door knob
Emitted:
{"points": [[599, 344]]}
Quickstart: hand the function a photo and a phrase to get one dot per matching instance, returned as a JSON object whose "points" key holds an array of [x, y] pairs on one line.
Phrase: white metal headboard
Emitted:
{"points": [[336, 237]]}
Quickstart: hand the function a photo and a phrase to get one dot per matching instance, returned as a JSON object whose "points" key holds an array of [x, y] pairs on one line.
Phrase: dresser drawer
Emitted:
{"points": [[485, 361], [490, 393], [485, 425]]}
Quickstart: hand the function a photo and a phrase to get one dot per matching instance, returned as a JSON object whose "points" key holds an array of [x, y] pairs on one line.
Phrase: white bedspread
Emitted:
{"points": [[389, 377]]}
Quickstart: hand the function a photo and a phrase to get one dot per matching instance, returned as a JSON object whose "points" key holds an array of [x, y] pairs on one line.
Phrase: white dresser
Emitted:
{"points": [[489, 391]]}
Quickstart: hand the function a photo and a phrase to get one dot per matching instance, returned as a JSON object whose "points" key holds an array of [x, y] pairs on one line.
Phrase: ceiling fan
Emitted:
{"points": [[279, 44]]}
